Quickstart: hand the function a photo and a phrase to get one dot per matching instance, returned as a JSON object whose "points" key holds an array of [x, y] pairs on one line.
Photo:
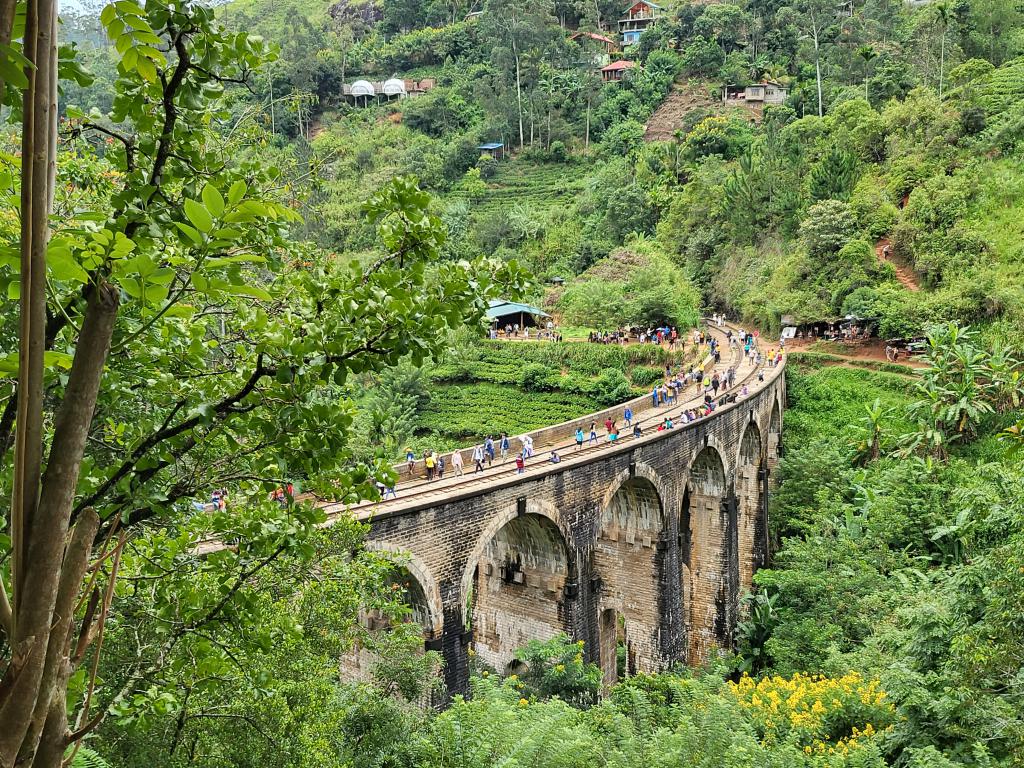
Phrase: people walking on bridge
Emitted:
{"points": [[504, 445], [637, 431], [716, 382], [489, 450], [654, 396], [457, 463], [593, 433], [579, 438], [410, 460], [520, 464], [430, 463], [478, 458], [440, 467], [608, 425], [628, 416]]}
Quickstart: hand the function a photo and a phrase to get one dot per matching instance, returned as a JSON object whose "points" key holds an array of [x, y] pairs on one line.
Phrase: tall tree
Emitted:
{"points": [[517, 30], [167, 340]]}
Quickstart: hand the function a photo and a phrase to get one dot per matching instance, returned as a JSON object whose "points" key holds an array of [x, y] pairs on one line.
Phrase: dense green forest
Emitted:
{"points": [[238, 277]]}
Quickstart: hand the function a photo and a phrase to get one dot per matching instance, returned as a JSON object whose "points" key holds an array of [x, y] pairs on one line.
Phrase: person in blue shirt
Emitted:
{"points": [[579, 438], [489, 450], [654, 396], [628, 416]]}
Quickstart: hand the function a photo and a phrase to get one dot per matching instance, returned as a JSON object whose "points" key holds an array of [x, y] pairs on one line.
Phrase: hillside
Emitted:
{"points": [[255, 283]]}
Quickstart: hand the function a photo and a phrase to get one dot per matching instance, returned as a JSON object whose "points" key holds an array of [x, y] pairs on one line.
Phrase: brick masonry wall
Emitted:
{"points": [[689, 573]]}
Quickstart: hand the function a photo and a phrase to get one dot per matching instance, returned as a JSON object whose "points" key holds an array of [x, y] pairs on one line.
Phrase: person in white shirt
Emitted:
{"points": [[457, 463]]}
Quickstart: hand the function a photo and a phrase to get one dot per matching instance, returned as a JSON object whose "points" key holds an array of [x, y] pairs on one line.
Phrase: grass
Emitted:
{"points": [[820, 359]]}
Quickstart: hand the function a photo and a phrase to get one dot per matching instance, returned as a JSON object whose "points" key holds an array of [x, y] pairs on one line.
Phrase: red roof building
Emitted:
{"points": [[615, 71]]}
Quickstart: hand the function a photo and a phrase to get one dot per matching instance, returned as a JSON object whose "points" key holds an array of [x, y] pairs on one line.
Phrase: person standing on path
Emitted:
{"points": [[504, 445], [440, 467], [410, 460], [520, 464], [654, 396], [579, 438], [593, 433], [457, 463], [628, 416], [527, 442], [478, 459], [429, 463], [489, 450]]}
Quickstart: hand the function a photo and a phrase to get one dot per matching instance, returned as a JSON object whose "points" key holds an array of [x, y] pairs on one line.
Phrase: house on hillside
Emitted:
{"points": [[495, 149], [758, 94], [616, 70], [362, 92], [597, 49], [637, 19]]}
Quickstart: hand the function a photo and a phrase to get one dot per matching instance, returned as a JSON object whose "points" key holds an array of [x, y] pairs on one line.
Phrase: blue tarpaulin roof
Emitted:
{"points": [[491, 145], [502, 308]]}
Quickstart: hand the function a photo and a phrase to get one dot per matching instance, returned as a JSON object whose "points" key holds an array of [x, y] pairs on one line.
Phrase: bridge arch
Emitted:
{"points": [[774, 430], [750, 515], [707, 527], [629, 564], [424, 592], [516, 586]]}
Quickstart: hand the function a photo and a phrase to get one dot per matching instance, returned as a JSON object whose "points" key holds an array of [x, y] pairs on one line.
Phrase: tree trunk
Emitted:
{"points": [[817, 70], [586, 141], [942, 59], [519, 97]]}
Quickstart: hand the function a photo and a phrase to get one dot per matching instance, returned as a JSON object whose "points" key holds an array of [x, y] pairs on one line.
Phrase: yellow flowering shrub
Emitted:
{"points": [[821, 715]]}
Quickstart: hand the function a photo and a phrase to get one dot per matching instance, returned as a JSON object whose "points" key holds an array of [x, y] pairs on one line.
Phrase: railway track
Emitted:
{"points": [[417, 494]]}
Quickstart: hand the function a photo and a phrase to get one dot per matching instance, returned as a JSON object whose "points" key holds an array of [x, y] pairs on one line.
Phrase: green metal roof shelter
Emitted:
{"points": [[510, 312]]}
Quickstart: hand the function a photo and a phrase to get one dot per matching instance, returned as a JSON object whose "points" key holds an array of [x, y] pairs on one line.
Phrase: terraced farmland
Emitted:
{"points": [[538, 186]]}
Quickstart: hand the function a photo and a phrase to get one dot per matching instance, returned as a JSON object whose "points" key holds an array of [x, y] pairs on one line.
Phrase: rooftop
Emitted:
{"points": [[617, 65], [500, 308]]}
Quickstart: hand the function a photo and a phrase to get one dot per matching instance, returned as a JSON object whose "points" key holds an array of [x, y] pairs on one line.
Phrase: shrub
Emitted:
{"points": [[558, 152], [611, 387], [537, 377], [487, 166], [645, 376]]}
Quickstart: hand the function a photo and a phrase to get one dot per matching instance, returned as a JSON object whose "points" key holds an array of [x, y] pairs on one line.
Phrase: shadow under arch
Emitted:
{"points": [[628, 562], [430, 612], [519, 583], [708, 554]]}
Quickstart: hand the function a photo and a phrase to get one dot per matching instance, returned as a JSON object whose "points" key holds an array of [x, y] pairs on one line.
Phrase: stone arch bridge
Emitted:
{"points": [[647, 543]]}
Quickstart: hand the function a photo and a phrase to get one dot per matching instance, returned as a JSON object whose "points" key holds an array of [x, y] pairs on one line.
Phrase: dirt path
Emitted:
{"points": [[906, 276], [685, 97]]}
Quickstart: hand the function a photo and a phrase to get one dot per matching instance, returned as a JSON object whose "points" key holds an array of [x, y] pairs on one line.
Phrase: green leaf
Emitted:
{"points": [[191, 232], [248, 290], [237, 192], [198, 215], [12, 66], [147, 69], [212, 200], [62, 264]]}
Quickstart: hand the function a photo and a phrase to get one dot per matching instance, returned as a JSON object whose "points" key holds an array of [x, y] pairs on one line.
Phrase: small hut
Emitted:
{"points": [[502, 313], [394, 88], [615, 71], [495, 149]]}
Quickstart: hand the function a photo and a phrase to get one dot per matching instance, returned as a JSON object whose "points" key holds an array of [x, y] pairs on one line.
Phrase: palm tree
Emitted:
{"points": [[867, 54], [943, 14]]}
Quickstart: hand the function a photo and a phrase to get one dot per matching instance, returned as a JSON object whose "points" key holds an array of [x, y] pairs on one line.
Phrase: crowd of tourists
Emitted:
{"points": [[649, 335], [713, 387], [514, 331]]}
